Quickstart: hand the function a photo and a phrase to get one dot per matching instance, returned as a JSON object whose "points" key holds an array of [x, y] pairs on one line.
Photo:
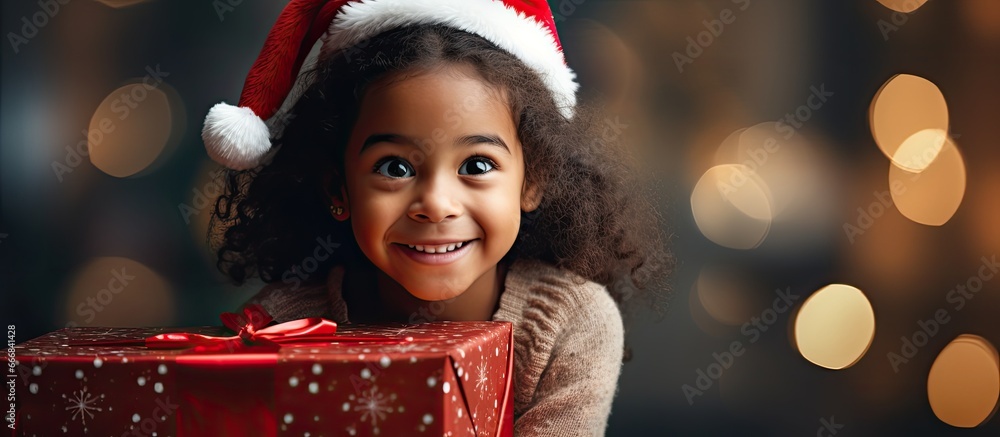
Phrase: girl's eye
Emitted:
{"points": [[476, 166], [394, 167]]}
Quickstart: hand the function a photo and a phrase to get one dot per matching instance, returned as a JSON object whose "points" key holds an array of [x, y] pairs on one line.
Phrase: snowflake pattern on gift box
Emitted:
{"points": [[491, 414], [405, 348], [374, 405], [404, 331], [482, 380], [83, 404]]}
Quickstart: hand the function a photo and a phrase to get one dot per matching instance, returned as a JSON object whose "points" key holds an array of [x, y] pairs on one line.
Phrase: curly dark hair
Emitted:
{"points": [[594, 219]]}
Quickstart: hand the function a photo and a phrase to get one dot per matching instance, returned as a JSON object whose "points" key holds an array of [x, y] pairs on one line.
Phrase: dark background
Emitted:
{"points": [[60, 238]]}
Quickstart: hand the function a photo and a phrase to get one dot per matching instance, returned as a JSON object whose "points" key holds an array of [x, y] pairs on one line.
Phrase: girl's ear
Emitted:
{"points": [[343, 197], [531, 197], [337, 198]]}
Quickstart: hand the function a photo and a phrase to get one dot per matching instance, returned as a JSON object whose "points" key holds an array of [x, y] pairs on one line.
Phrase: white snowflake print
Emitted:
{"points": [[482, 379], [490, 417], [401, 331], [404, 348], [374, 405], [83, 404], [491, 414]]}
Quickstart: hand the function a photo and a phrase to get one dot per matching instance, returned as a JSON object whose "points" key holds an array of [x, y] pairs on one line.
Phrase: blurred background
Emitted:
{"points": [[827, 171]]}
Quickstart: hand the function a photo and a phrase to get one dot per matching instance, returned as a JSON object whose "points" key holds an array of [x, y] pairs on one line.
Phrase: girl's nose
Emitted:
{"points": [[436, 201]]}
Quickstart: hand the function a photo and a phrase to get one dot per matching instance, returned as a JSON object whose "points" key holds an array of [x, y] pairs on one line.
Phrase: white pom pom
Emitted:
{"points": [[235, 137]]}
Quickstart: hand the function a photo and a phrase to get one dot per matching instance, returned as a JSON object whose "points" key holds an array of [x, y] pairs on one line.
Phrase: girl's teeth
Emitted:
{"points": [[439, 249]]}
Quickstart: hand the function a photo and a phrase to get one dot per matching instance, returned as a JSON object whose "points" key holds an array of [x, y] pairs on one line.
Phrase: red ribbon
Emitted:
{"points": [[251, 329]]}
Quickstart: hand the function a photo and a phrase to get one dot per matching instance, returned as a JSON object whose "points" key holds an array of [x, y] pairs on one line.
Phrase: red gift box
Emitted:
{"points": [[439, 378]]}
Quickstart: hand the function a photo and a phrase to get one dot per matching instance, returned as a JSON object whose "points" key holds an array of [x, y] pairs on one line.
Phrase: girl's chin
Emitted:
{"points": [[434, 294]]}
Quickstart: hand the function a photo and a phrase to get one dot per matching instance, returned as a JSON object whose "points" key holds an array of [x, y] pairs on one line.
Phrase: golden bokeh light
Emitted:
{"points": [[130, 129], [791, 169], [835, 326], [920, 150], [117, 291], [904, 6], [724, 295], [705, 151], [729, 151], [932, 196], [798, 176], [760, 139], [781, 163], [731, 207], [704, 321], [963, 384], [904, 106]]}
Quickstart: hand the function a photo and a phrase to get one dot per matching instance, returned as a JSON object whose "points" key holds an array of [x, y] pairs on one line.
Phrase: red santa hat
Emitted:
{"points": [[238, 137]]}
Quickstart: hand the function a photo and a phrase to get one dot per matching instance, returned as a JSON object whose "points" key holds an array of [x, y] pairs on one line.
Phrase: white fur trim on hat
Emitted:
{"points": [[235, 136], [515, 32]]}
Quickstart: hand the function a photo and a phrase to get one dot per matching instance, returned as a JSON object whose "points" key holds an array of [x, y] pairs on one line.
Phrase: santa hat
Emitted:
{"points": [[238, 137]]}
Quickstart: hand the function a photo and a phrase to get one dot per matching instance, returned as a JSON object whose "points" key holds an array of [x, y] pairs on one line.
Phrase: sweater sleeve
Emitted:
{"points": [[576, 389], [570, 341]]}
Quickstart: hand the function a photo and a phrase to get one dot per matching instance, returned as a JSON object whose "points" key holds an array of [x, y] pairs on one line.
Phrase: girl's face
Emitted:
{"points": [[434, 162]]}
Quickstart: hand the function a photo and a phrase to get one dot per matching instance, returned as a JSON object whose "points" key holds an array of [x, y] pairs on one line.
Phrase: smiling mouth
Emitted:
{"points": [[437, 248]]}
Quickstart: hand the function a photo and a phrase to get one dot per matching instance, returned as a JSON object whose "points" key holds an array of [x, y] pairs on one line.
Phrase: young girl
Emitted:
{"points": [[436, 167]]}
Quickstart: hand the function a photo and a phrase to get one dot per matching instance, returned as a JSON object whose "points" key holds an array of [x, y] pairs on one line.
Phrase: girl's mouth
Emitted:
{"points": [[436, 255]]}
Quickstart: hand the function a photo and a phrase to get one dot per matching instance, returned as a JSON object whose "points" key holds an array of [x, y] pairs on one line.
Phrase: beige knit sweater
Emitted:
{"points": [[568, 341]]}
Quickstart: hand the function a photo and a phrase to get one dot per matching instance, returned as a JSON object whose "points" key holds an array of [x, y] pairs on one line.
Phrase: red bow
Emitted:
{"points": [[251, 329]]}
